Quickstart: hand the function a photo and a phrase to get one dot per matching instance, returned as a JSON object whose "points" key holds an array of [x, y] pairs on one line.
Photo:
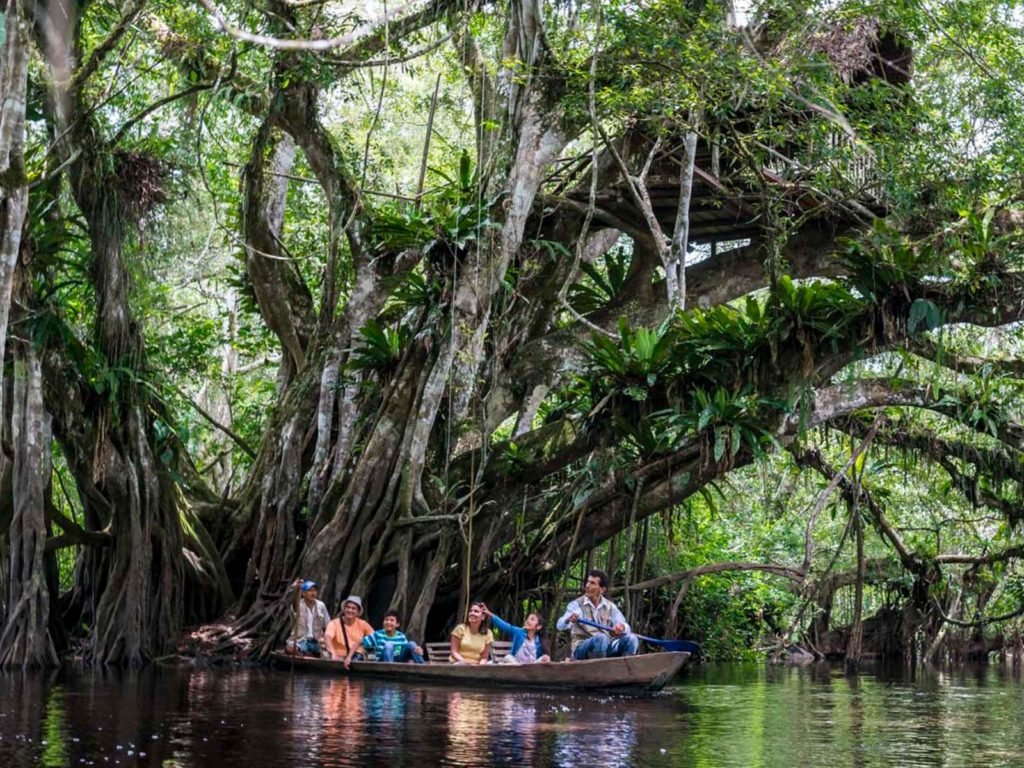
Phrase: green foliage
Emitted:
{"points": [[886, 262], [980, 256], [982, 407], [410, 292], [732, 421], [924, 316], [724, 348], [646, 437], [513, 459], [167, 440], [381, 349], [732, 614], [603, 283], [827, 310], [450, 220], [634, 359], [719, 343], [699, 376]]}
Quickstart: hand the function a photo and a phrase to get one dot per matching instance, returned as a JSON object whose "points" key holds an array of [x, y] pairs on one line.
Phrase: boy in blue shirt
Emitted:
{"points": [[392, 645]]}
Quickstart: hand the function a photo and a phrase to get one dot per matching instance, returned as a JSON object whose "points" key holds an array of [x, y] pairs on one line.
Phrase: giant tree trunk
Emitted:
{"points": [[352, 484], [13, 184], [132, 590], [140, 612], [26, 640], [357, 503]]}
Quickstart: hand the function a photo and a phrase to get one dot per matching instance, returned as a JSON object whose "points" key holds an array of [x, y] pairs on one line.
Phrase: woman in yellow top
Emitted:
{"points": [[471, 640]]}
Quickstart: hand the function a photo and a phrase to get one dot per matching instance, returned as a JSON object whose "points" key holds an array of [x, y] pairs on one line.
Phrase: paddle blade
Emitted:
{"points": [[688, 646]]}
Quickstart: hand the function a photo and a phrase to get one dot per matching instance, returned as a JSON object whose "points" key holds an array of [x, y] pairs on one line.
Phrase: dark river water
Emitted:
{"points": [[716, 715]]}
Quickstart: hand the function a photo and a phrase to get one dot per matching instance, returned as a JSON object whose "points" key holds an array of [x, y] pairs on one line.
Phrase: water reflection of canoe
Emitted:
{"points": [[647, 672]]}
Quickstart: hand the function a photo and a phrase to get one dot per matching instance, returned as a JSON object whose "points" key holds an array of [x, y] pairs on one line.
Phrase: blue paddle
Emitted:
{"points": [[669, 645]]}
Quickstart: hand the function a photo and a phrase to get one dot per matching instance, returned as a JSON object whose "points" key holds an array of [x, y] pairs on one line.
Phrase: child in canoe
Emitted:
{"points": [[527, 647], [391, 644]]}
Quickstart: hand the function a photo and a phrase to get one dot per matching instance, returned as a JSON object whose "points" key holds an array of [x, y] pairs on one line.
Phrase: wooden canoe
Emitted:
{"points": [[645, 673]]}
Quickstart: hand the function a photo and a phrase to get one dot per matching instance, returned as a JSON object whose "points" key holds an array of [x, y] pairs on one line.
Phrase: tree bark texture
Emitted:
{"points": [[13, 182], [135, 586], [354, 503], [26, 640]]}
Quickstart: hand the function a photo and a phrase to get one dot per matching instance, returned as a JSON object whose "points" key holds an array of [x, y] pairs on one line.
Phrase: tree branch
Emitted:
{"points": [[348, 39], [134, 120], [926, 346], [796, 575], [819, 504], [235, 437], [100, 52], [73, 534]]}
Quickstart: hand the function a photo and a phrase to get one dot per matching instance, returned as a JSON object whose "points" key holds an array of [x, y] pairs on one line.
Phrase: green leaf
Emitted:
{"points": [[720, 437], [637, 393], [923, 314], [465, 171], [706, 415]]}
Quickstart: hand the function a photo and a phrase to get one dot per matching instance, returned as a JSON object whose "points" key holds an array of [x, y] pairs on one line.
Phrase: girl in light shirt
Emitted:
{"points": [[527, 647]]}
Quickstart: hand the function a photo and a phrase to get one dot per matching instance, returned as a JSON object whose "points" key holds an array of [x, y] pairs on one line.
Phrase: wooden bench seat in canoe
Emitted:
{"points": [[438, 653]]}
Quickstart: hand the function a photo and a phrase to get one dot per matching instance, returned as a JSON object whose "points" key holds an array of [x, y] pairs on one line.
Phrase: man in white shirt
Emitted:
{"points": [[311, 620], [592, 642]]}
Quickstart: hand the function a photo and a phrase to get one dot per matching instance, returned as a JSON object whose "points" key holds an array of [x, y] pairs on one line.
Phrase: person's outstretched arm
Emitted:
{"points": [[370, 642], [501, 624]]}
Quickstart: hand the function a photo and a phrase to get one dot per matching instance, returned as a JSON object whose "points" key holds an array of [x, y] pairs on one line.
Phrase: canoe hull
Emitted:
{"points": [[645, 673]]}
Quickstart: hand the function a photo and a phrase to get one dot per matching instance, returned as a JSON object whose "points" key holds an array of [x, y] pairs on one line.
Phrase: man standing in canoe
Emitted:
{"points": [[311, 619], [590, 642]]}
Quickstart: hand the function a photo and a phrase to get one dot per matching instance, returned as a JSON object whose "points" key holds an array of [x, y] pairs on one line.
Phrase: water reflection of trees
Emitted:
{"points": [[516, 738], [598, 739], [252, 718], [31, 721], [526, 729]]}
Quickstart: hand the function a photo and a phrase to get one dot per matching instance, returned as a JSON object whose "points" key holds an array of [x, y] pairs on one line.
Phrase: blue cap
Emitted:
{"points": [[308, 585]]}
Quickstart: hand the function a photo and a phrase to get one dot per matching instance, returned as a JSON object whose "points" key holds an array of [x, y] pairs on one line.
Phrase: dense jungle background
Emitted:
{"points": [[441, 299]]}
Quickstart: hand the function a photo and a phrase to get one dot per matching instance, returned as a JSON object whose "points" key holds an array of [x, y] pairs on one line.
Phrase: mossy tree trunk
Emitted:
{"points": [[357, 503], [130, 585], [13, 181], [26, 640]]}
